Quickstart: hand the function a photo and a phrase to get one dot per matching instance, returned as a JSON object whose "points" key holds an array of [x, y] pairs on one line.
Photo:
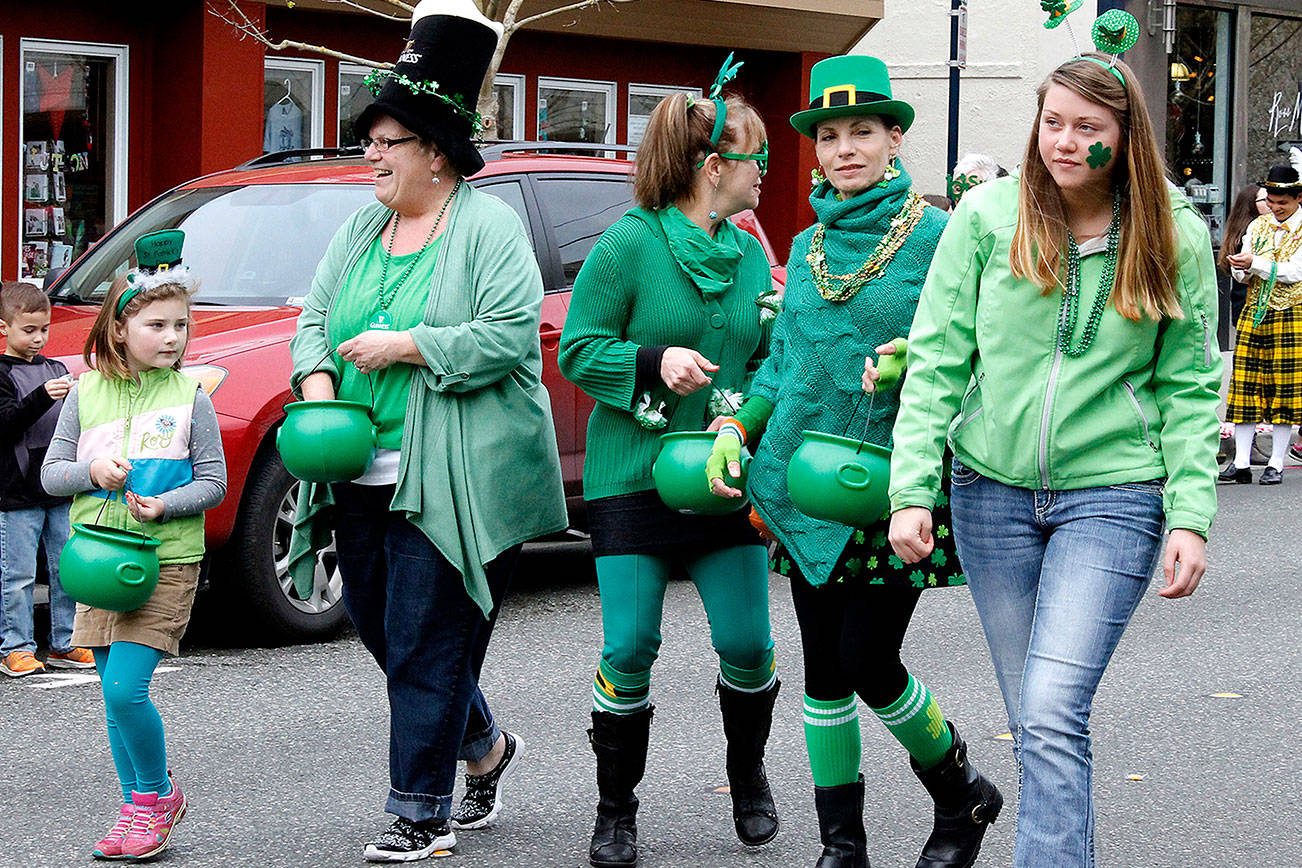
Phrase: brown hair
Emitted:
{"points": [[1147, 259], [110, 354], [678, 137], [18, 297], [1242, 212]]}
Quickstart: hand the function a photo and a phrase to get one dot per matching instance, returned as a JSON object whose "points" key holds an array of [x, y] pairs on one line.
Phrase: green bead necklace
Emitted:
{"points": [[1069, 309], [381, 320]]}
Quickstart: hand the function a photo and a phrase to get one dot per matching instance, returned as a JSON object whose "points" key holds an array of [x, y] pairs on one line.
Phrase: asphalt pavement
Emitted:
{"points": [[283, 751]]}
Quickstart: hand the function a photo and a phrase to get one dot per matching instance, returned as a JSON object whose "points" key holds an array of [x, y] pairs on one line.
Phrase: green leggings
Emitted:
{"points": [[734, 586]]}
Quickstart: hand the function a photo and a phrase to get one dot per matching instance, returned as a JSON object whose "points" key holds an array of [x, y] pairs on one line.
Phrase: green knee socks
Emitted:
{"points": [[832, 739], [620, 692], [755, 680], [916, 722]]}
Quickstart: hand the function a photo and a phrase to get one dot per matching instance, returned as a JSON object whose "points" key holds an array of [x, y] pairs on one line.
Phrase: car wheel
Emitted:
{"points": [[253, 571]]}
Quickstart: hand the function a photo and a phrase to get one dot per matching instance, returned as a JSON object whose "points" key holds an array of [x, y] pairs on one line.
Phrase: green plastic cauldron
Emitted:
{"points": [[109, 568], [326, 441], [679, 475], [840, 479]]}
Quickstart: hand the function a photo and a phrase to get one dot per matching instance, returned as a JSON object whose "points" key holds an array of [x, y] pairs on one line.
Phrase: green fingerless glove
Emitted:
{"points": [[727, 448], [890, 368]]}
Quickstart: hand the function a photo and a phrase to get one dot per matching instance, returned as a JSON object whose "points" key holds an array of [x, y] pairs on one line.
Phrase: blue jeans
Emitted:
{"points": [[1056, 576], [21, 531], [413, 615]]}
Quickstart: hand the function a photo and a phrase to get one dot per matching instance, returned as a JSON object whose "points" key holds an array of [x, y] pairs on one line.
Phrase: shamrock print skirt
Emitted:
{"points": [[869, 558]]}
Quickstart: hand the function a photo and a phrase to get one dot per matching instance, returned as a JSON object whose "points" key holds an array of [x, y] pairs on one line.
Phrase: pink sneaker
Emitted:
{"points": [[152, 825], [110, 846]]}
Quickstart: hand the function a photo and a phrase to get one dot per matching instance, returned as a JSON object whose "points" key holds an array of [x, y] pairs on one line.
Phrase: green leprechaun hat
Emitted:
{"points": [[158, 261], [852, 84]]}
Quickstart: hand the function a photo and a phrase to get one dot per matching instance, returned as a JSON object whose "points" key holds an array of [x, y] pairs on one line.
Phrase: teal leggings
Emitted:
{"points": [[734, 586], [135, 728]]}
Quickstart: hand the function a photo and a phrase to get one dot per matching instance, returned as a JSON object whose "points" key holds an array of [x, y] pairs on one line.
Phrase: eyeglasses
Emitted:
{"points": [[761, 159], [382, 144]]}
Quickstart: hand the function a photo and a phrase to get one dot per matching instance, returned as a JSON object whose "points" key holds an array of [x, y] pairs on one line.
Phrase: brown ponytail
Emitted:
{"points": [[678, 137]]}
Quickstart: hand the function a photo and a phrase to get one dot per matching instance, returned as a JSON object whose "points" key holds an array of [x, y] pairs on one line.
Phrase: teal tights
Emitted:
{"points": [[135, 729], [734, 587]]}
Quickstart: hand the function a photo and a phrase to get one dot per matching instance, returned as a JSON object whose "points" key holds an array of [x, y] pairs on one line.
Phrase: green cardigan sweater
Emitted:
{"points": [[479, 470], [631, 293]]}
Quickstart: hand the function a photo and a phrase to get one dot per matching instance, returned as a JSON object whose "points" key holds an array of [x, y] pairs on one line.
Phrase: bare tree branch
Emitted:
{"points": [[571, 7], [245, 27], [352, 4]]}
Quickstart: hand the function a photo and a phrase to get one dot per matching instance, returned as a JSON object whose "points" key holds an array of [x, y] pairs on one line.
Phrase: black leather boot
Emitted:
{"points": [[620, 743], [840, 826], [966, 803], [747, 718]]}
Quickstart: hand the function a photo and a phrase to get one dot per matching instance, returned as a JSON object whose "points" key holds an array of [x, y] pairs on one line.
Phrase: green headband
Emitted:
{"points": [[727, 73], [125, 298], [1109, 67]]}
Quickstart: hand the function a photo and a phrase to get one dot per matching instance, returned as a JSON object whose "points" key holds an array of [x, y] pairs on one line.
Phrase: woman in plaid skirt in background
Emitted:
{"points": [[1267, 382]]}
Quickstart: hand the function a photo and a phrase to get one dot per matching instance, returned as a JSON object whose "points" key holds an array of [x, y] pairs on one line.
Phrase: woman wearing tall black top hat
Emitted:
{"points": [[430, 299]]}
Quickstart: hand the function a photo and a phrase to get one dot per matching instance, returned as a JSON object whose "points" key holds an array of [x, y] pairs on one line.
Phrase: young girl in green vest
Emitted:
{"points": [[138, 447]]}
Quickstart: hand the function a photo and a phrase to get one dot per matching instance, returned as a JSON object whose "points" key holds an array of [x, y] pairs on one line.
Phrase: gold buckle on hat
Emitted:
{"points": [[847, 89]]}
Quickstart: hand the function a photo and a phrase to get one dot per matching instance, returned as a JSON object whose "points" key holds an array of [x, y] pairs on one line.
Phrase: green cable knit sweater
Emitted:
{"points": [[814, 373], [631, 293]]}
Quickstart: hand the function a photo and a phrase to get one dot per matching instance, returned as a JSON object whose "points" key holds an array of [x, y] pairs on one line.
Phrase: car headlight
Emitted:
{"points": [[209, 376]]}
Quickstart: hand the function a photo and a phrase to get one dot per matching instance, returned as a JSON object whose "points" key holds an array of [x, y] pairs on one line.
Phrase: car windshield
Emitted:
{"points": [[257, 245]]}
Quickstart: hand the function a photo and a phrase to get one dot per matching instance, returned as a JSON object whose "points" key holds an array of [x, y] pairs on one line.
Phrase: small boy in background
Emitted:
{"points": [[32, 389]]}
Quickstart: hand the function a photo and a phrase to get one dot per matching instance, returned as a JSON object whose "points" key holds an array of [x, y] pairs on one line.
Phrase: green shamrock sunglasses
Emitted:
{"points": [[761, 159]]}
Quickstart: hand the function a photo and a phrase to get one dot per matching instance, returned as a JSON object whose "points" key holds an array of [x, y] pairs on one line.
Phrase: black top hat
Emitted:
{"points": [[433, 88], [1283, 178]]}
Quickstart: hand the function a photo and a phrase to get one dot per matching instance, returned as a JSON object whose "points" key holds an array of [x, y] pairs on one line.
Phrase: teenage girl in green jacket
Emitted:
{"points": [[667, 323], [1063, 347]]}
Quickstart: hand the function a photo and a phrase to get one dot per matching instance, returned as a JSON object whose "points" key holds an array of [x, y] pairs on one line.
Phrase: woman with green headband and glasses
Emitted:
{"points": [[667, 324], [852, 287], [1064, 349]]}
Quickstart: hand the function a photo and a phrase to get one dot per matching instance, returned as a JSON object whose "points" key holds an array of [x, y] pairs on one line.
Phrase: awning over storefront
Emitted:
{"points": [[826, 26]]}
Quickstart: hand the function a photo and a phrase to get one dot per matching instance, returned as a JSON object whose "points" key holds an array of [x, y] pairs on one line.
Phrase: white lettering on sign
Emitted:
{"points": [[1284, 117]]}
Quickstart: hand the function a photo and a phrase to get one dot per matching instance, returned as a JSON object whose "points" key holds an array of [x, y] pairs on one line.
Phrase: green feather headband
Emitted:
{"points": [[727, 73], [375, 81]]}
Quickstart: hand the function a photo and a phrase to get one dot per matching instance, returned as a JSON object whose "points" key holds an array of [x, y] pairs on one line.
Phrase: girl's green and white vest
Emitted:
{"points": [[148, 423]]}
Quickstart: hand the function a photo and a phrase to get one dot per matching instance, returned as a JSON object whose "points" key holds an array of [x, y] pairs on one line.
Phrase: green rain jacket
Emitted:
{"points": [[479, 470], [986, 374]]}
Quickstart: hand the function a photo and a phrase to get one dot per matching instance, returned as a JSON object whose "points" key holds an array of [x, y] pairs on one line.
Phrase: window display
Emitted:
{"points": [[572, 110], [354, 96], [642, 100], [70, 107], [1274, 91], [510, 107], [291, 96], [1198, 111]]}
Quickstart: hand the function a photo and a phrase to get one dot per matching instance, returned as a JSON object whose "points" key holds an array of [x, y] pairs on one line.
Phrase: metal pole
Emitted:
{"points": [[951, 154]]}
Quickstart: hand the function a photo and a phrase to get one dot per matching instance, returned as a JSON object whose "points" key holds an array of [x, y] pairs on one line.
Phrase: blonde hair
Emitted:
{"points": [[1147, 258], [678, 137], [110, 353]]}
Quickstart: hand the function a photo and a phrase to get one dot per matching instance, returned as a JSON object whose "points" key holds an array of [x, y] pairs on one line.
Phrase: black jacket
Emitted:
{"points": [[27, 418]]}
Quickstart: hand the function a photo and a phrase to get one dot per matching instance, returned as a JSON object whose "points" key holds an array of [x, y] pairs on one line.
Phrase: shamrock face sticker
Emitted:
{"points": [[1100, 155]]}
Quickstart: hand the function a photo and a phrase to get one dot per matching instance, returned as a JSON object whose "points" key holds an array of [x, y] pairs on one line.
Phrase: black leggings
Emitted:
{"points": [[851, 633]]}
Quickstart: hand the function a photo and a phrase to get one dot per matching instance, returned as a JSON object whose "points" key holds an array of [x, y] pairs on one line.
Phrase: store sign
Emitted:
{"points": [[1284, 113]]}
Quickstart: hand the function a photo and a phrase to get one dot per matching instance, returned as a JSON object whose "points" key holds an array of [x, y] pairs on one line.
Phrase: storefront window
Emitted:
{"points": [[1274, 91], [354, 97], [292, 105], [1198, 106], [642, 100], [74, 182], [510, 107], [573, 110]]}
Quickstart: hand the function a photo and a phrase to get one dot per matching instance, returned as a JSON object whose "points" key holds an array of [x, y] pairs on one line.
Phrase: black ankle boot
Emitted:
{"points": [[747, 718], [966, 803], [620, 743], [840, 826]]}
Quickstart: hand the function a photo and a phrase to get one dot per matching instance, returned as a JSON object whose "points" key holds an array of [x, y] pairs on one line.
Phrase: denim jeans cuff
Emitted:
{"points": [[477, 745], [418, 807]]}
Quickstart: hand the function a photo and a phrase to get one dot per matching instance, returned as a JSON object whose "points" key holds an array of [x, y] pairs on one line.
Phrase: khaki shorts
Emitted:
{"points": [[159, 623]]}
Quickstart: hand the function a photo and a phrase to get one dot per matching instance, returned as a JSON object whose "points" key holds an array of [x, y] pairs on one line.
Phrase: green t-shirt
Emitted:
{"points": [[385, 392]]}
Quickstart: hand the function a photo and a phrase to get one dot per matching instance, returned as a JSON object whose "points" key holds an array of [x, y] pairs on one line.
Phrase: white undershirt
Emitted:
{"points": [[383, 470]]}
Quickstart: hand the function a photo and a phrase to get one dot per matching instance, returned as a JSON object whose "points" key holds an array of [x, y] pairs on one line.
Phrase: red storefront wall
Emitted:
{"points": [[195, 91]]}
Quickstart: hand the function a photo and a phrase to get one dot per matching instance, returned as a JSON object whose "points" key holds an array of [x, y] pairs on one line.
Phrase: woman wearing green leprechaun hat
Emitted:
{"points": [[852, 287], [1063, 348]]}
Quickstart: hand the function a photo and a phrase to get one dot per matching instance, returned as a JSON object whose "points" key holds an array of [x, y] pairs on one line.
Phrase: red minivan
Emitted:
{"points": [[254, 235]]}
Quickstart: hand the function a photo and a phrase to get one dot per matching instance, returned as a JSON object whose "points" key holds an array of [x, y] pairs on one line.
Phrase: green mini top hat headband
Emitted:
{"points": [[1114, 32], [158, 262]]}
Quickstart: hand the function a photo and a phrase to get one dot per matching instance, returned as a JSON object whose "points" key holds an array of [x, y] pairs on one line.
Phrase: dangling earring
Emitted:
{"points": [[714, 215], [892, 172], [816, 177], [435, 179]]}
